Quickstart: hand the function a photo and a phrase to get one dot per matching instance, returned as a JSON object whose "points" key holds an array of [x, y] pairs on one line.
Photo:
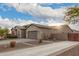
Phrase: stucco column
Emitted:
{"points": [[26, 35], [20, 34]]}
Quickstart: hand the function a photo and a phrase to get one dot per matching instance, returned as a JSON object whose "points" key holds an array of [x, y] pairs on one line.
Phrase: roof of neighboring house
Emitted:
{"points": [[19, 27]]}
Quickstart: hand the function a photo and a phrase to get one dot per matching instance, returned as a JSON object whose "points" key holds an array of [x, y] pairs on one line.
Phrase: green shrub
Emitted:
{"points": [[11, 36]]}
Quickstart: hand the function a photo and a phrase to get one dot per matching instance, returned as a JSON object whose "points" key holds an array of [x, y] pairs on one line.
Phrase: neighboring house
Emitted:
{"points": [[19, 31], [36, 31]]}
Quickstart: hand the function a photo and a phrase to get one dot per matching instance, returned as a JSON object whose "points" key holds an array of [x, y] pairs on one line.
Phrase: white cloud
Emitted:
{"points": [[52, 16], [8, 23], [37, 10]]}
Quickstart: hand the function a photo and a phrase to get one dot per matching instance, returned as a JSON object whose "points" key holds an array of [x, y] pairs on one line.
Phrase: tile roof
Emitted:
{"points": [[42, 27]]}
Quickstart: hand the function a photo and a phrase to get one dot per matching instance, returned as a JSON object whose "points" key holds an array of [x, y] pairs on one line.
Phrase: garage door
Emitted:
{"points": [[32, 34]]}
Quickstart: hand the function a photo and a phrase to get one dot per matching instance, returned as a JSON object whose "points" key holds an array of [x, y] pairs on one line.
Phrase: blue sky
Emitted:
{"points": [[12, 13], [42, 13]]}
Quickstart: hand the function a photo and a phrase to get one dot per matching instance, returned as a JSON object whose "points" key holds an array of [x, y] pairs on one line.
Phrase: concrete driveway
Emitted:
{"points": [[43, 50]]}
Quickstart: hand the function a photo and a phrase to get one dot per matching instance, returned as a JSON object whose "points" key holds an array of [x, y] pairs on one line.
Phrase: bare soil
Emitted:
{"points": [[6, 48]]}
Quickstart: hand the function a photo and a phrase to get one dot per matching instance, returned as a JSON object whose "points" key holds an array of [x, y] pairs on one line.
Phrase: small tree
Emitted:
{"points": [[3, 31], [72, 15]]}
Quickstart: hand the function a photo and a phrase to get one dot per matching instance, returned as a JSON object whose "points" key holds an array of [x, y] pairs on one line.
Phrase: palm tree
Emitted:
{"points": [[72, 15]]}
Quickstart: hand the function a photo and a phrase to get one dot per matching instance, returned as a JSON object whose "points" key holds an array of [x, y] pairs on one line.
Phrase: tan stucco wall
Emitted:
{"points": [[46, 32], [18, 33], [61, 33], [61, 36], [23, 33]]}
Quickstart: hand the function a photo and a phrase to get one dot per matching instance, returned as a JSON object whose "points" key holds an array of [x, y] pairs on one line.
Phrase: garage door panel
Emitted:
{"points": [[32, 34]]}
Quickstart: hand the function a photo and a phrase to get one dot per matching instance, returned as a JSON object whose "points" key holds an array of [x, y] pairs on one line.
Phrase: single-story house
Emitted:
{"points": [[36, 31], [31, 31]]}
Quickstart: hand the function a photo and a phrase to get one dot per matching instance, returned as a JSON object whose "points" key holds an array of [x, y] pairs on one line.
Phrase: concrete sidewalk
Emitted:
{"points": [[42, 50]]}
